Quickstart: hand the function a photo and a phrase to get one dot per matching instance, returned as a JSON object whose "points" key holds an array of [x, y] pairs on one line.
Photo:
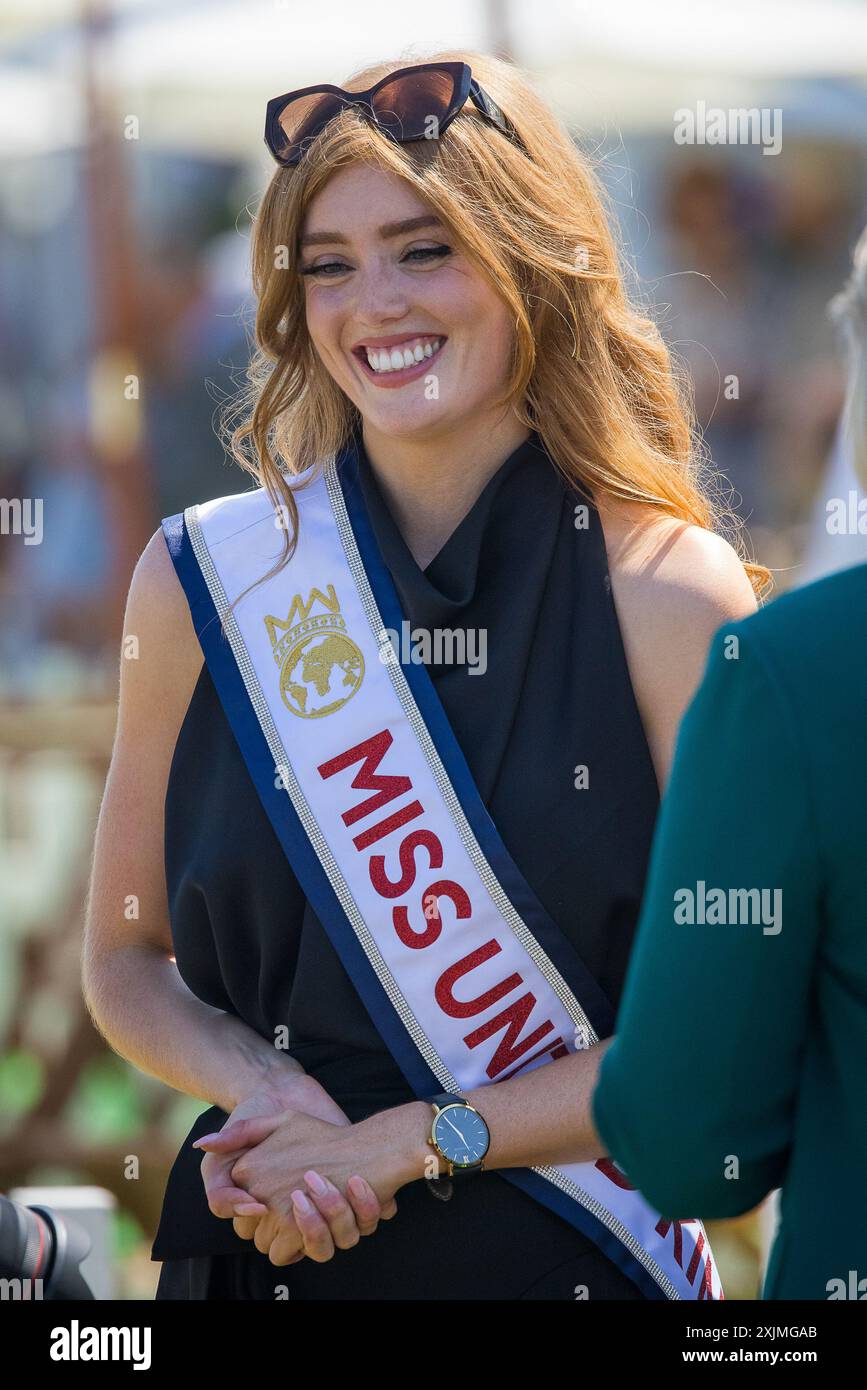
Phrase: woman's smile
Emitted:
{"points": [[398, 359]]}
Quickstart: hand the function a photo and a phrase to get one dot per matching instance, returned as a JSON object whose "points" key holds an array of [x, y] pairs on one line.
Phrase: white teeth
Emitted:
{"points": [[399, 358]]}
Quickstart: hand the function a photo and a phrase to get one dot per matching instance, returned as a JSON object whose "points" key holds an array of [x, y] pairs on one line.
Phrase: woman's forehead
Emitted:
{"points": [[362, 196]]}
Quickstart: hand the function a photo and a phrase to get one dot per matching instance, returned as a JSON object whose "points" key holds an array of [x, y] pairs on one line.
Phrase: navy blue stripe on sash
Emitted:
{"points": [[314, 881], [584, 1221]]}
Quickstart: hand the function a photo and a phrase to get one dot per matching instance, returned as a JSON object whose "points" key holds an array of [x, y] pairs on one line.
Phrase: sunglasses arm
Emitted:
{"points": [[493, 113]]}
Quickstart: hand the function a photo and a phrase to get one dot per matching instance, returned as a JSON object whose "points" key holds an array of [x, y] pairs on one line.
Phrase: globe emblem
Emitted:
{"points": [[321, 672]]}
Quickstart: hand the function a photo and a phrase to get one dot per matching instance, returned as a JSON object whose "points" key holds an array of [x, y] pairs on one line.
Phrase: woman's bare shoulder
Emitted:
{"points": [[674, 585], [661, 560], [161, 657]]}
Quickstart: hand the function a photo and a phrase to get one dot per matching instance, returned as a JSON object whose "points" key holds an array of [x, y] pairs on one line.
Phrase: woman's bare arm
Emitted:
{"points": [[131, 983]]}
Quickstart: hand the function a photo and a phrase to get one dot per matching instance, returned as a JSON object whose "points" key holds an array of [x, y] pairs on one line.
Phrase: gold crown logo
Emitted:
{"points": [[317, 676], [332, 618]]}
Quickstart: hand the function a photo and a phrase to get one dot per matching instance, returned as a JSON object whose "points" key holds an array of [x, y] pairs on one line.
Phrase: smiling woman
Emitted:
{"points": [[455, 420], [499, 247], [394, 263]]}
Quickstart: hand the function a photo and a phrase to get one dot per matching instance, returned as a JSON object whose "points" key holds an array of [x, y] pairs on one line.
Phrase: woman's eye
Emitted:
{"points": [[329, 270], [335, 266], [428, 252]]}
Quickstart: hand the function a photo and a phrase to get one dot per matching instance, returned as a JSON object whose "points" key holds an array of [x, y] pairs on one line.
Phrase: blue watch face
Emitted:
{"points": [[461, 1134]]}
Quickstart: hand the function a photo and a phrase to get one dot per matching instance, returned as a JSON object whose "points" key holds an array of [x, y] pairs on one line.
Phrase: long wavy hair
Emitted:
{"points": [[589, 372]]}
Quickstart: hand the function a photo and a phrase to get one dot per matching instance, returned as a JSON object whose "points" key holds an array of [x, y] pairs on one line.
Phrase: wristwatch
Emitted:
{"points": [[459, 1135]]}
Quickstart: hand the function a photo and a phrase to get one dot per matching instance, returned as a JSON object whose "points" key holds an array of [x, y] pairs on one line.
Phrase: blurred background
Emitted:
{"points": [[131, 156]]}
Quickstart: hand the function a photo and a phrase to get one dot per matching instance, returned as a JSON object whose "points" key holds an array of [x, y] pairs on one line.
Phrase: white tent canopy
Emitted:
{"points": [[197, 73]]}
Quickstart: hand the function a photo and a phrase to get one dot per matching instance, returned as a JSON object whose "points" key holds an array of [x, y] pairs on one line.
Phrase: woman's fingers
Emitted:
{"points": [[223, 1194], [325, 1221], [364, 1203], [313, 1228], [284, 1252], [267, 1230], [245, 1226], [335, 1209], [240, 1134], [226, 1199]]}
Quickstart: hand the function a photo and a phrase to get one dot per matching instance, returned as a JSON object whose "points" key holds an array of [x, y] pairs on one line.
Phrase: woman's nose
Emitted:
{"points": [[380, 295]]}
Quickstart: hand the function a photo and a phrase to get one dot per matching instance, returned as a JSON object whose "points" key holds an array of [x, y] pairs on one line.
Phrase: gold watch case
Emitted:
{"points": [[451, 1166]]}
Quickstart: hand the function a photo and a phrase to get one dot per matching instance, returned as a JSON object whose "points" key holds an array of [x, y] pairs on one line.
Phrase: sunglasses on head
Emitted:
{"points": [[417, 103]]}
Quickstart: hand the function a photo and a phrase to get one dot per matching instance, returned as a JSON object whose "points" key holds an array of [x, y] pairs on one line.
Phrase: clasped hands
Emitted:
{"points": [[297, 1178]]}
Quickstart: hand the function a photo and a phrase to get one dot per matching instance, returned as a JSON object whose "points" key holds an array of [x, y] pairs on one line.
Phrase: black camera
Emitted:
{"points": [[40, 1254]]}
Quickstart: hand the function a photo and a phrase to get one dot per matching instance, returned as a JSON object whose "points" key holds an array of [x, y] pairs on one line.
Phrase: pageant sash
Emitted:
{"points": [[464, 974]]}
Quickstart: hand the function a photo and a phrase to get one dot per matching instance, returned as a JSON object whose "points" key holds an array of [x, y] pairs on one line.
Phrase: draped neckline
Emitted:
{"points": [[510, 512]]}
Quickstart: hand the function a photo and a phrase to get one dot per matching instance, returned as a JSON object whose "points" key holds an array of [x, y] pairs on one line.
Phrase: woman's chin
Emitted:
{"points": [[404, 419]]}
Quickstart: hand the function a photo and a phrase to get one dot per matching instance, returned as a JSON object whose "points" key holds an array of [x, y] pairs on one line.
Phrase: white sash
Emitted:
{"points": [[455, 978]]}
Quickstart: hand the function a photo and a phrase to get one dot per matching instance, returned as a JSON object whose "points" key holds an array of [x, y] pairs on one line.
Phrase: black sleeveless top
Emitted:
{"points": [[531, 572]]}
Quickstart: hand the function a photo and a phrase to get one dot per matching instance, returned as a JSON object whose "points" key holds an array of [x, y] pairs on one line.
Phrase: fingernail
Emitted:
{"points": [[317, 1184], [301, 1202], [249, 1209], [358, 1186], [205, 1139]]}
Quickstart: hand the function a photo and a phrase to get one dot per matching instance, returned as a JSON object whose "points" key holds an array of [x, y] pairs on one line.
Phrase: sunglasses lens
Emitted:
{"points": [[301, 120], [413, 106]]}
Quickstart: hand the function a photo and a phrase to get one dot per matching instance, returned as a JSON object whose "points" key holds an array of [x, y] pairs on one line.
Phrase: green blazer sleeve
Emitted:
{"points": [[696, 1094]]}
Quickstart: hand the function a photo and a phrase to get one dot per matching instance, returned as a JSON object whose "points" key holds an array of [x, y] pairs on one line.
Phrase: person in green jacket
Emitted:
{"points": [[740, 1060]]}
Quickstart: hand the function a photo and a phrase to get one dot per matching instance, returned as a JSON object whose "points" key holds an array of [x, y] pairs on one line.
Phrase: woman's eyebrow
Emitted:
{"points": [[389, 229]]}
